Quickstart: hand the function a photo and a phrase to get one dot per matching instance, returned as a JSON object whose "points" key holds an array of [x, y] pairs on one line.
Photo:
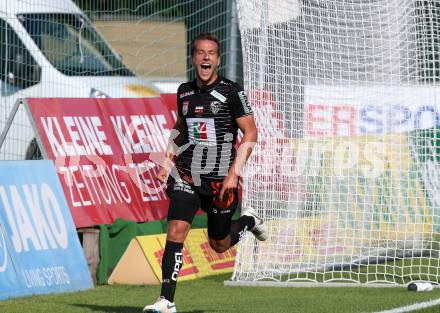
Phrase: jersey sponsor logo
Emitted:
{"points": [[201, 131], [185, 105], [218, 95], [215, 107], [186, 94], [244, 102], [198, 109]]}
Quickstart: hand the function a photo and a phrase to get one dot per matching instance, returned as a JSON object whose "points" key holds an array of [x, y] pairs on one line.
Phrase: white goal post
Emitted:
{"points": [[346, 172]]}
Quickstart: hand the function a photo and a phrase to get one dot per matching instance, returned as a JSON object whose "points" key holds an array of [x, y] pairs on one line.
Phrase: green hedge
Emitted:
{"points": [[114, 239]]}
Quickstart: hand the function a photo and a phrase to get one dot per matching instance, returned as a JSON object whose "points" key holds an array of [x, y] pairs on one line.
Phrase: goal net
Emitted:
{"points": [[117, 49], [346, 173]]}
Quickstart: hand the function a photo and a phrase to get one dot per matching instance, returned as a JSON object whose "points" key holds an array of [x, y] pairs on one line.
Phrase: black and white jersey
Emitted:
{"points": [[210, 114]]}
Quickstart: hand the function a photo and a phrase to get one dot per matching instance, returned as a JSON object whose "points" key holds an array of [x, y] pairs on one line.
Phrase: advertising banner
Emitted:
{"points": [[142, 261], [199, 259], [425, 145], [106, 152], [39, 248], [356, 110], [377, 183]]}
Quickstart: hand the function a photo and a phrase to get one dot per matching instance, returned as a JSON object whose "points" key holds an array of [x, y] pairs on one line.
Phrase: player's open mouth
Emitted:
{"points": [[205, 68]]}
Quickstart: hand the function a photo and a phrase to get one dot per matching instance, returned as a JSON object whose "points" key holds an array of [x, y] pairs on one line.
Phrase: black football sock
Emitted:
{"points": [[239, 227], [172, 262]]}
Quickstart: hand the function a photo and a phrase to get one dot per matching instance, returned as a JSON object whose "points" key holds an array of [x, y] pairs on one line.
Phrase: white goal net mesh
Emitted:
{"points": [[99, 49], [346, 97]]}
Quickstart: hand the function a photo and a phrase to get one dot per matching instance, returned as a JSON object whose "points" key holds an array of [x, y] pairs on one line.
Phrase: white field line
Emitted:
{"points": [[413, 307]]}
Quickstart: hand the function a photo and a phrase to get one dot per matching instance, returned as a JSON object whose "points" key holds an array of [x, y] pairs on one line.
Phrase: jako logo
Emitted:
{"points": [[38, 203], [178, 258], [3, 252]]}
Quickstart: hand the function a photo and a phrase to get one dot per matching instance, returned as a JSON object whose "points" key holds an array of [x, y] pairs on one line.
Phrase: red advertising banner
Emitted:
{"points": [[107, 152]]}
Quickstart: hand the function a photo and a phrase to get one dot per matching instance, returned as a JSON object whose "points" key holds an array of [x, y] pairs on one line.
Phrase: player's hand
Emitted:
{"points": [[163, 174], [230, 183]]}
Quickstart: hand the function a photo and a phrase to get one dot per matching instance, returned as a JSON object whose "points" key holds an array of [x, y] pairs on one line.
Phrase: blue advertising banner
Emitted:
{"points": [[39, 247]]}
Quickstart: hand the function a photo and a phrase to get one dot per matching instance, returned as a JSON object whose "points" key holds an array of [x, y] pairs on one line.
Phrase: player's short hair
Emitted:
{"points": [[205, 36]]}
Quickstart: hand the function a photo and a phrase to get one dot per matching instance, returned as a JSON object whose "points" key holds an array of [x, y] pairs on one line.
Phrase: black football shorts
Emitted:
{"points": [[186, 199]]}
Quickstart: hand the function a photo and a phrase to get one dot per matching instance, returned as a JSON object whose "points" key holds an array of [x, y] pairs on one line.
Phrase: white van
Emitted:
{"points": [[50, 49]]}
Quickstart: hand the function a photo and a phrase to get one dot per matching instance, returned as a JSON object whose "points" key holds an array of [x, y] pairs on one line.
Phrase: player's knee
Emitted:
{"points": [[175, 235], [219, 246], [177, 232]]}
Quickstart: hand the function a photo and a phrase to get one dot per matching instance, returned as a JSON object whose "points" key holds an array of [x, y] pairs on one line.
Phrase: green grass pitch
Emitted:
{"points": [[210, 295]]}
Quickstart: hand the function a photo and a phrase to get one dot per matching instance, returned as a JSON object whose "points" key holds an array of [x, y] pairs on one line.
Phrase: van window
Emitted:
{"points": [[72, 45], [18, 68]]}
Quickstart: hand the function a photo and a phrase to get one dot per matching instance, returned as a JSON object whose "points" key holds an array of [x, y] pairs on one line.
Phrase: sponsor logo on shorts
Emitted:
{"points": [[182, 185], [216, 186], [225, 211]]}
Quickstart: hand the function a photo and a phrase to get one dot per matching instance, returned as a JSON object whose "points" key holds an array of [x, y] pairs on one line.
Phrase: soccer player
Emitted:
{"points": [[211, 109]]}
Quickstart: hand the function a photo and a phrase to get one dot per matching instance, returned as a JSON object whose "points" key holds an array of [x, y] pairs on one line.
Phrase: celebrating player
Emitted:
{"points": [[211, 109]]}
